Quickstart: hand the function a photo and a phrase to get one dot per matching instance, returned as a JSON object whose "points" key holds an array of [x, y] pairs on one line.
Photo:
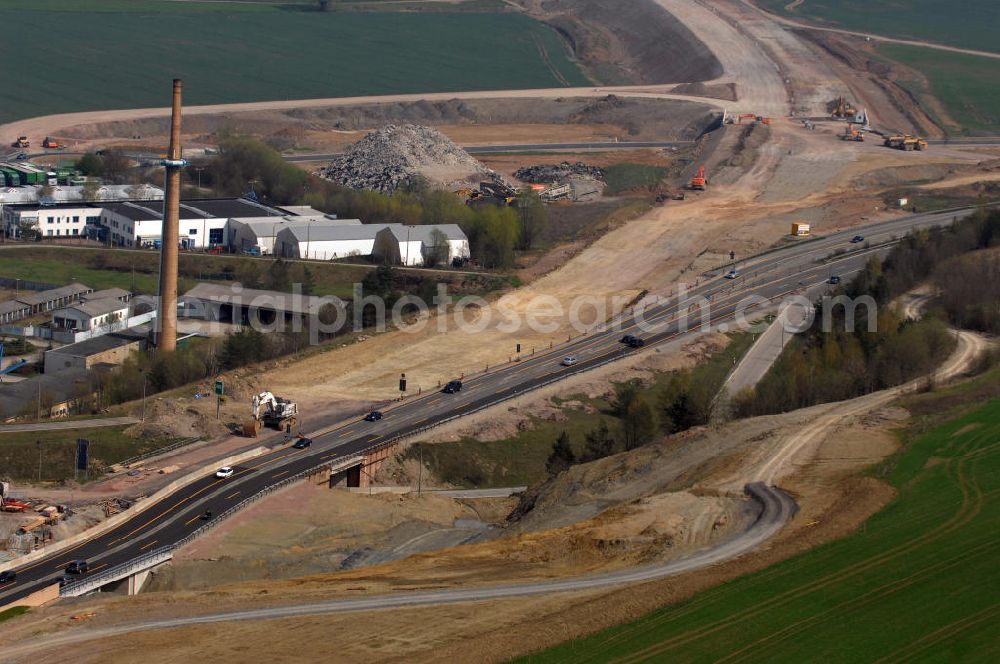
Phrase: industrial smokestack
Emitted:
{"points": [[166, 338]]}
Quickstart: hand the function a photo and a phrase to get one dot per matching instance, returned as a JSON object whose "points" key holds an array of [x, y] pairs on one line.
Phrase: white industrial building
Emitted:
{"points": [[59, 220], [257, 235], [137, 223], [91, 315], [327, 242], [203, 223], [420, 245]]}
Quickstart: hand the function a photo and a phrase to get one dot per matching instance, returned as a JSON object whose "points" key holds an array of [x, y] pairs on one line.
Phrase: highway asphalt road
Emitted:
{"points": [[782, 272], [776, 509]]}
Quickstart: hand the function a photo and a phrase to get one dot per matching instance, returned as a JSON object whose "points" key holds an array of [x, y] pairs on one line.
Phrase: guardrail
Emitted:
{"points": [[161, 450], [143, 562], [164, 553]]}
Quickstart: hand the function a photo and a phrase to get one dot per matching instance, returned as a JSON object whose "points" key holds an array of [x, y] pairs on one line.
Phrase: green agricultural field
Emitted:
{"points": [[967, 86], [970, 24], [917, 583], [102, 54]]}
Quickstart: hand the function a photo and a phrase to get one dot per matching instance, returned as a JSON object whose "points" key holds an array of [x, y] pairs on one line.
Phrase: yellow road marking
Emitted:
{"points": [[194, 518], [147, 545], [284, 472], [232, 495], [91, 539]]}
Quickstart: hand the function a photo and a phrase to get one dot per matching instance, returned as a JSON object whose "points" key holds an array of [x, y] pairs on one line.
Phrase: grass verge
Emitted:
{"points": [[13, 612], [21, 453], [623, 177]]}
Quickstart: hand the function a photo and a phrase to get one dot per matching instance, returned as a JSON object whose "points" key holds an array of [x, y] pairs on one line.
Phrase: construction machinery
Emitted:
{"points": [[763, 119], [905, 142], [698, 182], [746, 116], [843, 108], [8, 504], [21, 142], [52, 144], [269, 410], [853, 133]]}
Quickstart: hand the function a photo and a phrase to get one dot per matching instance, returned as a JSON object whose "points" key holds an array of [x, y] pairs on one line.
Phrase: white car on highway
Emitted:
{"points": [[569, 361], [224, 472]]}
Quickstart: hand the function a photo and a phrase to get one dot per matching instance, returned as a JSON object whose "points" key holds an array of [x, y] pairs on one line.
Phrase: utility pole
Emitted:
{"points": [[143, 394]]}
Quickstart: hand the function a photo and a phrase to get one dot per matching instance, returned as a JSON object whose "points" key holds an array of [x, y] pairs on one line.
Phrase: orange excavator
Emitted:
{"points": [[698, 181], [752, 117]]}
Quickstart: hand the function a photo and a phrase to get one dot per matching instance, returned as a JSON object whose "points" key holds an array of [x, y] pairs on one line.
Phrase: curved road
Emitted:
{"points": [[778, 273], [776, 509]]}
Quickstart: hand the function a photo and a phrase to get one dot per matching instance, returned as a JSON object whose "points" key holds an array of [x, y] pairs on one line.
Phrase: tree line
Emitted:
{"points": [[848, 362], [641, 415]]}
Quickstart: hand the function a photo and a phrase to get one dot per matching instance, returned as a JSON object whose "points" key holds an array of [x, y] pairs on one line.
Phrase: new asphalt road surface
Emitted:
{"points": [[723, 301]]}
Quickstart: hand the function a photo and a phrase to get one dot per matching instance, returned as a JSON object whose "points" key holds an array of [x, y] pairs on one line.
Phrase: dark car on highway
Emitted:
{"points": [[452, 387], [633, 341], [77, 567], [834, 279], [857, 238], [302, 443], [373, 416], [8, 577]]}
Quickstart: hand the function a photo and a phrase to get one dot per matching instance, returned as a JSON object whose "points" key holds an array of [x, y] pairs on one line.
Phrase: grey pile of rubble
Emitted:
{"points": [[388, 158], [548, 173]]}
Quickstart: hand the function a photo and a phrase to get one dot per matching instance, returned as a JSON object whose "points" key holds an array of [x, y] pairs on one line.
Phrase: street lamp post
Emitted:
{"points": [[38, 444], [143, 373]]}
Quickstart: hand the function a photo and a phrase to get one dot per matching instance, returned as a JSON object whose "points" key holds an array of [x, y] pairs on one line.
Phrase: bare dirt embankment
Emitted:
{"points": [[629, 41]]}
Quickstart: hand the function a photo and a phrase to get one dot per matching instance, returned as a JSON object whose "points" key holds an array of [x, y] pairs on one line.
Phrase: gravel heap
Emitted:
{"points": [[548, 173], [387, 158]]}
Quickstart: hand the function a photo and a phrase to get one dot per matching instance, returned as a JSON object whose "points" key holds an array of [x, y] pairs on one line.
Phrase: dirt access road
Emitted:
{"points": [[777, 509]]}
